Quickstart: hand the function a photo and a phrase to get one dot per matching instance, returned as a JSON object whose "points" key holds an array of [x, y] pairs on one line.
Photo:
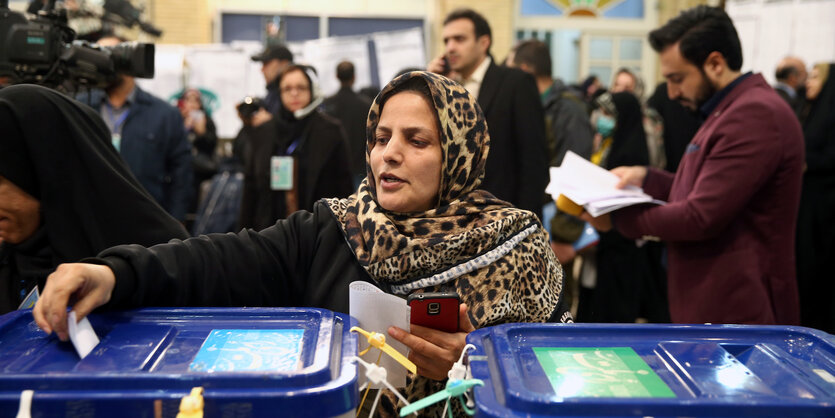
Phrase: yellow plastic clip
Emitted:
{"points": [[191, 406], [377, 340]]}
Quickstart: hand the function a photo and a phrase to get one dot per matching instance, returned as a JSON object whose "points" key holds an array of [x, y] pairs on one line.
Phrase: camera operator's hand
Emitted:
{"points": [[433, 351], [85, 286], [260, 117]]}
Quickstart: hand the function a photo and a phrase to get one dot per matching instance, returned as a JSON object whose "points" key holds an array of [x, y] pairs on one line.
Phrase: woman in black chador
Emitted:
{"points": [[816, 218], [65, 193]]}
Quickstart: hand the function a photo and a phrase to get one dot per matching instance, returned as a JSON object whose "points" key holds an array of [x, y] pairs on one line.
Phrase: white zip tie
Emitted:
{"points": [[376, 375], [460, 372], [25, 409]]}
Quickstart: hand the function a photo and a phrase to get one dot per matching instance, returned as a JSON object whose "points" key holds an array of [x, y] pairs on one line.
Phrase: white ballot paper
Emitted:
{"points": [[82, 335], [376, 311], [593, 187]]}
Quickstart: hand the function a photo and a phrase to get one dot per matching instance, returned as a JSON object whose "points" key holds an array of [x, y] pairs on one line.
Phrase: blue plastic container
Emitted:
{"points": [[545, 370], [149, 359]]}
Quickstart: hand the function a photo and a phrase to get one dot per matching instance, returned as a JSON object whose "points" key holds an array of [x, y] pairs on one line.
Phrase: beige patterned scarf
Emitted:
{"points": [[495, 256]]}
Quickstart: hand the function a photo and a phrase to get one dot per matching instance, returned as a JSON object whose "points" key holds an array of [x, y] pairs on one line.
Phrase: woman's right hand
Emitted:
{"points": [[87, 286], [630, 175]]}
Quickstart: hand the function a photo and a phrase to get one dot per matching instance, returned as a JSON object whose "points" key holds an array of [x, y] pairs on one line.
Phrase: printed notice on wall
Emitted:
{"points": [[605, 372]]}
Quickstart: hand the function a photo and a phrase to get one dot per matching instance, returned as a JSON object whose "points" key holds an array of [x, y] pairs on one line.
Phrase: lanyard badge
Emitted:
{"points": [[281, 173]]}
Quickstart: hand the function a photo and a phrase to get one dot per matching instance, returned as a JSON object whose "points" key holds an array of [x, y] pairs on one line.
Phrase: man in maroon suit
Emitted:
{"points": [[730, 220]]}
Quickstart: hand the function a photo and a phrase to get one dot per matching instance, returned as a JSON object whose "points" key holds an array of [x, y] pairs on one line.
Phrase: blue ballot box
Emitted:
{"points": [[251, 362], [606, 370]]}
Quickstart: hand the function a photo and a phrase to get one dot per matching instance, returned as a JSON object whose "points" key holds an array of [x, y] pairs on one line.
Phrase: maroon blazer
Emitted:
{"points": [[730, 221]]}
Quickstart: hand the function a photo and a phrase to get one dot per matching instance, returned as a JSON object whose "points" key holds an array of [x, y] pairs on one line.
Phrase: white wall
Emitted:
{"points": [[770, 30]]}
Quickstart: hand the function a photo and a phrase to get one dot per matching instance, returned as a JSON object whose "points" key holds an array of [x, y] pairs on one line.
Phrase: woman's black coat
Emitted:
{"points": [[323, 167]]}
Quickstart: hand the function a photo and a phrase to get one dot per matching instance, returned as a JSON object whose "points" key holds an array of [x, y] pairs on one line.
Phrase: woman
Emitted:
{"points": [[65, 193], [307, 145], [629, 280], [816, 218], [417, 223], [203, 138]]}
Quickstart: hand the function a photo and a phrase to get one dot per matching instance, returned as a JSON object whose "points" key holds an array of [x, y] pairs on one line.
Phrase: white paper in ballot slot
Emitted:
{"points": [[376, 311], [83, 338]]}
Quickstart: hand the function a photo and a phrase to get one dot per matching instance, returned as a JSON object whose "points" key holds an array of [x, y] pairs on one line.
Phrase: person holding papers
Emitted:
{"points": [[627, 286], [418, 223], [730, 220]]}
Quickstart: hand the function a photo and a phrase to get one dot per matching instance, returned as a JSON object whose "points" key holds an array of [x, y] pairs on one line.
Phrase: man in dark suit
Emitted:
{"points": [[730, 220], [150, 135], [351, 109], [791, 79], [517, 168]]}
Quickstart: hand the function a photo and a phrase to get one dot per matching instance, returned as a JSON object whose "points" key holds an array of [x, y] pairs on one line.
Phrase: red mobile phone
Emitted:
{"points": [[435, 310]]}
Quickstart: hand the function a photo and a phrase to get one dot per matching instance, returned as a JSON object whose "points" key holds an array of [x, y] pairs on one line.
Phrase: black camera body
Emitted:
{"points": [[43, 51], [249, 106]]}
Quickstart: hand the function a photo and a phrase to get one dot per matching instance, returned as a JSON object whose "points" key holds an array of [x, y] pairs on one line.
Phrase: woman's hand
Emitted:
{"points": [[87, 285], [433, 351], [630, 175]]}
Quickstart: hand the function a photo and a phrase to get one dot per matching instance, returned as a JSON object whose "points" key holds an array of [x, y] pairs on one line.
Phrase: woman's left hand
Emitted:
{"points": [[433, 351]]}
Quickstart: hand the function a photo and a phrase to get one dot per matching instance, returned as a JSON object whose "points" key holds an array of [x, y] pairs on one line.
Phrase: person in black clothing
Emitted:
{"points": [[274, 60], [351, 109], [680, 125], [630, 283], [791, 78], [816, 219], [201, 132], [518, 170], [65, 192], [307, 146], [417, 223]]}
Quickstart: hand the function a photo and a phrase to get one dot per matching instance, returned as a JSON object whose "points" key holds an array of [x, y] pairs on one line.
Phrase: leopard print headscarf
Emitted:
{"points": [[495, 256]]}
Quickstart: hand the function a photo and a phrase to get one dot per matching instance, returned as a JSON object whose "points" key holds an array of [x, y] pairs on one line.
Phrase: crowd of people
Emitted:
{"points": [[438, 183]]}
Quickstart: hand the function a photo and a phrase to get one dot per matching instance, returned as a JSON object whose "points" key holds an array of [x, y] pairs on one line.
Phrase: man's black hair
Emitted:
{"points": [[785, 72], [700, 31], [535, 54], [479, 22], [345, 71]]}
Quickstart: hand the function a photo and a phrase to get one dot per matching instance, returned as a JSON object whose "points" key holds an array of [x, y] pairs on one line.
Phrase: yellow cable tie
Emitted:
{"points": [[378, 340], [191, 406]]}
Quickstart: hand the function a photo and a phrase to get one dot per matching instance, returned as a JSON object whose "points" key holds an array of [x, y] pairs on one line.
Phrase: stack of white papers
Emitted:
{"points": [[376, 311], [593, 187]]}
